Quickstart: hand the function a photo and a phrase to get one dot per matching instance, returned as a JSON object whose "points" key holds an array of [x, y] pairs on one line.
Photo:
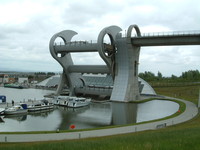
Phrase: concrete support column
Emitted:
{"points": [[126, 86], [62, 81], [65, 60]]}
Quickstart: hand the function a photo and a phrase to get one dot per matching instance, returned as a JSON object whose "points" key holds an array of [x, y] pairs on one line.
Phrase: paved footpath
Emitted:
{"points": [[190, 112]]}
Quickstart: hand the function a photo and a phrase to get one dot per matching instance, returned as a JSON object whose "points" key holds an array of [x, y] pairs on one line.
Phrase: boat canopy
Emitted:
{"points": [[2, 99]]}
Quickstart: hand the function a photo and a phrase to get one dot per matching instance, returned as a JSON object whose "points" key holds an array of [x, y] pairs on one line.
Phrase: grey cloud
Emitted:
{"points": [[88, 18], [176, 15]]}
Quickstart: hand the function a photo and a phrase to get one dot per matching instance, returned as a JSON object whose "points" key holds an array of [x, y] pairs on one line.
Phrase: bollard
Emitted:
{"points": [[6, 139], [79, 135], [58, 130]]}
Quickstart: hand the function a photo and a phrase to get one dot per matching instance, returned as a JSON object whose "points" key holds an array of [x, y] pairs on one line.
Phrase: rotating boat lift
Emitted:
{"points": [[120, 56]]}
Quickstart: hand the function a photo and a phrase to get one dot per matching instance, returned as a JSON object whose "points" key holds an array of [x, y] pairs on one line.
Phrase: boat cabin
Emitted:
{"points": [[2, 99]]}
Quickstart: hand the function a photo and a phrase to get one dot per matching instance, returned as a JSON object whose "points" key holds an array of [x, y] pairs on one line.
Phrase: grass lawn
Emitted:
{"points": [[183, 136], [187, 92]]}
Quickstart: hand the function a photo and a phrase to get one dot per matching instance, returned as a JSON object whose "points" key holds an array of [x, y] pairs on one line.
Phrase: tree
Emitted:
{"points": [[147, 75], [159, 75], [50, 73], [173, 77]]}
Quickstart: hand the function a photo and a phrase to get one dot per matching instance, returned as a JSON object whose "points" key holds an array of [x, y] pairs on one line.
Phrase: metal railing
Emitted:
{"points": [[149, 34], [75, 43], [173, 33]]}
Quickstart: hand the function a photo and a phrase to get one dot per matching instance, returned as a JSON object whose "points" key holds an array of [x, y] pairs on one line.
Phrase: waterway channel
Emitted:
{"points": [[93, 116]]}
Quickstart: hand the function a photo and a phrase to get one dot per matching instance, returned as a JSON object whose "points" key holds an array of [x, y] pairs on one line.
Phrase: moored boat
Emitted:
{"points": [[76, 102], [13, 86], [18, 109], [40, 106], [2, 110], [61, 100], [73, 102]]}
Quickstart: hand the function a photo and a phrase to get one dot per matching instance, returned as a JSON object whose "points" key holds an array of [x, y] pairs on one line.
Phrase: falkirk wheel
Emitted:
{"points": [[120, 56]]}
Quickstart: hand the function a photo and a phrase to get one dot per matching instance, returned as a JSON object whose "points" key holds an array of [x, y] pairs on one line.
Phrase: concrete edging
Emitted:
{"points": [[190, 112]]}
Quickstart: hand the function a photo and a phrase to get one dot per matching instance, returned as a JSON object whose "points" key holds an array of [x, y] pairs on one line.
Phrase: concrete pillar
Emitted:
{"points": [[65, 60], [126, 86]]}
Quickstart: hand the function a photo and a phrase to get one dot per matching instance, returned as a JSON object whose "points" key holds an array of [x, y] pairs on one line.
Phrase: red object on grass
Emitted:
{"points": [[72, 126]]}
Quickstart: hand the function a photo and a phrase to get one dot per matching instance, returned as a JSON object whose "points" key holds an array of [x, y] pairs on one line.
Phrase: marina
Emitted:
{"points": [[94, 115]]}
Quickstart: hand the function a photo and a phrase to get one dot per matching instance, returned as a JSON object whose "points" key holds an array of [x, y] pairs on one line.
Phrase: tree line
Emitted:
{"points": [[191, 75], [45, 73]]}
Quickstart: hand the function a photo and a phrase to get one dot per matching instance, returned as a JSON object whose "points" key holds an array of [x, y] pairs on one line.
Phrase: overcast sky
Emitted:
{"points": [[26, 27]]}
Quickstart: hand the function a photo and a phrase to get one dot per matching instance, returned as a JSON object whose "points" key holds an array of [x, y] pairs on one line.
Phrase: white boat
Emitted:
{"points": [[62, 97], [2, 110], [75, 102], [40, 106], [61, 100], [18, 109]]}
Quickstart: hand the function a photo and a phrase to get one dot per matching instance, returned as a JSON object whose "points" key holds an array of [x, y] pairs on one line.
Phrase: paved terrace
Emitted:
{"points": [[190, 112]]}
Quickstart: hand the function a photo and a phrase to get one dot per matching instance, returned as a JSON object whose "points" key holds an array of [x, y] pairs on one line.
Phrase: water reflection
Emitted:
{"points": [[67, 116], [40, 121], [42, 113], [123, 113], [95, 115], [156, 109], [18, 117], [1, 120]]}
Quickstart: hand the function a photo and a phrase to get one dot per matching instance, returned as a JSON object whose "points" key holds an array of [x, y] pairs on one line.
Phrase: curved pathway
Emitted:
{"points": [[190, 112]]}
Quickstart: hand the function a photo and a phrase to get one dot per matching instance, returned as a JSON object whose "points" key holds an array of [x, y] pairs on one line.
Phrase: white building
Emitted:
{"points": [[4, 78], [22, 80]]}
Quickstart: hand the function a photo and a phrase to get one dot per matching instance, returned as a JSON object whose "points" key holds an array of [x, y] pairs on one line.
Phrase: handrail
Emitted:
{"points": [[172, 33], [148, 34], [76, 43]]}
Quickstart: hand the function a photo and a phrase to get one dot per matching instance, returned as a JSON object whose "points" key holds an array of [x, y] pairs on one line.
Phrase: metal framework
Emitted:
{"points": [[121, 57]]}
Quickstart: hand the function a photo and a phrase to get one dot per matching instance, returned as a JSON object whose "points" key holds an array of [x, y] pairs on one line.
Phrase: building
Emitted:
{"points": [[22, 80], [4, 78], [96, 84], [121, 59]]}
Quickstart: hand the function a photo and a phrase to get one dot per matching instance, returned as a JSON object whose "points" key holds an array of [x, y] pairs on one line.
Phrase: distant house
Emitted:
{"points": [[11, 80], [4, 78]]}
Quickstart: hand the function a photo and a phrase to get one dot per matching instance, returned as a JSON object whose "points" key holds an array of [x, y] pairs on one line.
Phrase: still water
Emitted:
{"points": [[95, 115], [23, 94]]}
